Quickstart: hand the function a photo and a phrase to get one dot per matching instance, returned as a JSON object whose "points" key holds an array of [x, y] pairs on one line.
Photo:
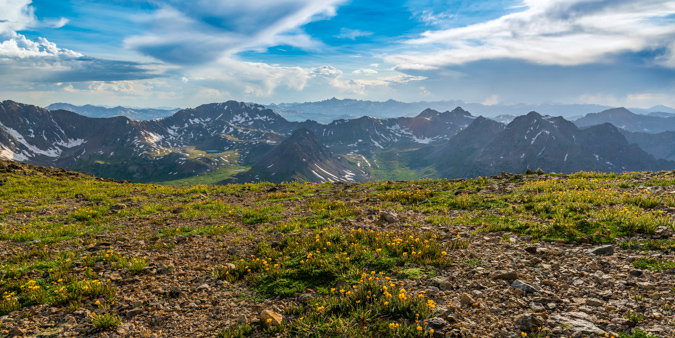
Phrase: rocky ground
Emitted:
{"points": [[503, 284]]}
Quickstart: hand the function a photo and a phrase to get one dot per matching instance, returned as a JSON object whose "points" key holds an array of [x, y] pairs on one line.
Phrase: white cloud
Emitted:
{"points": [[19, 47], [402, 78], [432, 18], [16, 15], [194, 32], [414, 66], [553, 32], [491, 101], [257, 79], [55, 23], [365, 71], [19, 15], [352, 34]]}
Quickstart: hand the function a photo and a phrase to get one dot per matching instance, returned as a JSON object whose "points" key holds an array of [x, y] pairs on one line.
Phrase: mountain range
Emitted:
{"points": [[328, 110], [98, 111], [625, 119], [333, 109], [236, 141], [534, 141]]}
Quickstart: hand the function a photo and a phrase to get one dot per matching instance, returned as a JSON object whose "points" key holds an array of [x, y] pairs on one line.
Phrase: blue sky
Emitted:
{"points": [[185, 53]]}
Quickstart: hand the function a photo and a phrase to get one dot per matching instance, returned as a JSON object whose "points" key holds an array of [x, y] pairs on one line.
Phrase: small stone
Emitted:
{"points": [[531, 249], [439, 325], [527, 322], [518, 284], [441, 282], [432, 291], [466, 299], [577, 322], [594, 302], [636, 273], [646, 285], [388, 217], [536, 307], [604, 250], [271, 318], [512, 275], [134, 312], [550, 283]]}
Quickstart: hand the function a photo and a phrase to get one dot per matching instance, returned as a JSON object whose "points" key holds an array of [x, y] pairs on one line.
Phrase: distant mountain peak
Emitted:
{"points": [[459, 110], [624, 119], [428, 113], [301, 157]]}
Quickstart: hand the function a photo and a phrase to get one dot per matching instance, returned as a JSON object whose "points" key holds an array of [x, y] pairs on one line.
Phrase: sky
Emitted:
{"points": [[175, 53]]}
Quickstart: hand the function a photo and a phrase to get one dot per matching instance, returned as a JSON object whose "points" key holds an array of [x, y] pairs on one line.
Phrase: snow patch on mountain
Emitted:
{"points": [[151, 137], [8, 154], [51, 152], [71, 143], [540, 132]]}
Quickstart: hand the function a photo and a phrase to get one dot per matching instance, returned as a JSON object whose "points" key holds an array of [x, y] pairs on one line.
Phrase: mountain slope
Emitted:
{"points": [[661, 145], [622, 118], [534, 141], [301, 157], [455, 158]]}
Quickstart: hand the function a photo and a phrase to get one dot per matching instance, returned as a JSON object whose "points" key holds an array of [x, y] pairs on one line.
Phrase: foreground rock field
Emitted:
{"points": [[536, 255]]}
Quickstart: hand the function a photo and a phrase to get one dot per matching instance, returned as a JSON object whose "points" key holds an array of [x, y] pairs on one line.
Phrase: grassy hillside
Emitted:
{"points": [[82, 256]]}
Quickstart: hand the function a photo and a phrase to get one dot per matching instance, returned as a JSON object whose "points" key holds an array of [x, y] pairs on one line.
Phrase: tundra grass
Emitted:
{"points": [[305, 244]]}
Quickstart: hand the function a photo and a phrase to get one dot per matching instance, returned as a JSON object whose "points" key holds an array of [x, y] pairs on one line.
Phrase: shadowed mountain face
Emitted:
{"points": [[661, 145], [626, 120], [301, 157], [534, 141]]}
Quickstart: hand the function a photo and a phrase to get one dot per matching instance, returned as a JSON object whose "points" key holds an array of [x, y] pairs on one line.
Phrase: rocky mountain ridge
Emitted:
{"points": [[232, 136], [535, 141], [190, 141]]}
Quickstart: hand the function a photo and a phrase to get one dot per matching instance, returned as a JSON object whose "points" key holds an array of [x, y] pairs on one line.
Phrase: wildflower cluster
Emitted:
{"points": [[316, 259], [392, 310], [9, 303]]}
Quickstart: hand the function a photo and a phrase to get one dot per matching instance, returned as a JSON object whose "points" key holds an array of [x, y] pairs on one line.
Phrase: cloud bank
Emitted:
{"points": [[553, 32], [195, 32]]}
